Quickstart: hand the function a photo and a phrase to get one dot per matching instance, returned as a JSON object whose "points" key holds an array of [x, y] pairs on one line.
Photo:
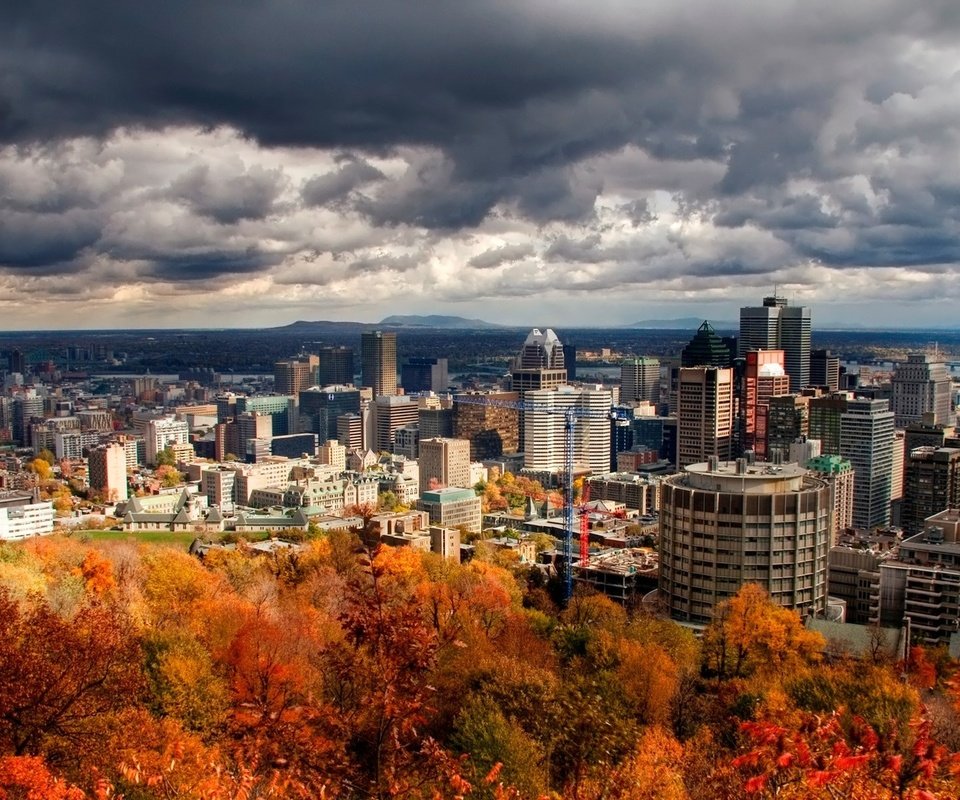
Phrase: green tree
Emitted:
{"points": [[166, 458]]}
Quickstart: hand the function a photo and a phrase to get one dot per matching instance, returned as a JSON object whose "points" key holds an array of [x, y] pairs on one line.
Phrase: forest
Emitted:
{"points": [[344, 671]]}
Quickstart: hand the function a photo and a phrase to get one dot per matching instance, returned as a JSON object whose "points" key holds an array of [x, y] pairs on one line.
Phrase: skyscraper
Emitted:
{"points": [[704, 414], [866, 440], [539, 365], [295, 374], [378, 362], [825, 369], [921, 385], [705, 349], [336, 366], [108, 471], [763, 378], [932, 484], [545, 431], [778, 326], [640, 380]]}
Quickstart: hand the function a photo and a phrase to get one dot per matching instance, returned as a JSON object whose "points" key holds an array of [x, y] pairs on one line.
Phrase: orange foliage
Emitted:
{"points": [[27, 778], [97, 573]]}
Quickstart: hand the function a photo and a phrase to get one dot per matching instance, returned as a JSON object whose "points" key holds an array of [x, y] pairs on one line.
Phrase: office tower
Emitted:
{"points": [[282, 409], [378, 362], [706, 349], [570, 361], [545, 429], [803, 450], [294, 445], [931, 485], [436, 423], [392, 412], [825, 370], [866, 439], [539, 365], [295, 374], [926, 433], [320, 407], [107, 466], [778, 326], [350, 431], [621, 440], [838, 473], [763, 378], [226, 406], [162, 433], [335, 367], [492, 430], [250, 428], [424, 375], [640, 380], [27, 407], [727, 523], [921, 385], [824, 421], [333, 453], [704, 414], [786, 422], [444, 462]]}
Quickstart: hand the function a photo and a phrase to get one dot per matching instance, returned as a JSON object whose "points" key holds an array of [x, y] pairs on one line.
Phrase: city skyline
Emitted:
{"points": [[208, 166]]}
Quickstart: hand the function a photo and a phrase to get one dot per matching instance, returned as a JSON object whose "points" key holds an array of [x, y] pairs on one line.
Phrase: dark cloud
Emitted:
{"points": [[47, 242], [354, 173], [501, 255], [386, 263], [247, 194]]}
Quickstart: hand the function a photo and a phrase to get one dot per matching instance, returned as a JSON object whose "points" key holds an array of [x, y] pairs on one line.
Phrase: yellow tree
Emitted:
{"points": [[749, 632]]}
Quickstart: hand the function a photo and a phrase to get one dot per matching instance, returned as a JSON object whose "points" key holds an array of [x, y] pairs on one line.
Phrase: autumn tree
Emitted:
{"points": [[749, 632], [71, 674]]}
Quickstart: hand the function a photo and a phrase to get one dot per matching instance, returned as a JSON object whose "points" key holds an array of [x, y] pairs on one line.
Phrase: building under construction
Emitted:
{"points": [[620, 574]]}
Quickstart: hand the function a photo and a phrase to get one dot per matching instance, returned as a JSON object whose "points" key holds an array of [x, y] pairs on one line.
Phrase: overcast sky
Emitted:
{"points": [[255, 162]]}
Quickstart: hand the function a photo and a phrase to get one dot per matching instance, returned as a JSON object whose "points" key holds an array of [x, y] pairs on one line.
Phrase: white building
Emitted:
{"points": [[544, 428], [162, 433], [21, 516]]}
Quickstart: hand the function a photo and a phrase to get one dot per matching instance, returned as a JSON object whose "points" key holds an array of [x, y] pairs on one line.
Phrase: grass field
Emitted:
{"points": [[179, 539]]}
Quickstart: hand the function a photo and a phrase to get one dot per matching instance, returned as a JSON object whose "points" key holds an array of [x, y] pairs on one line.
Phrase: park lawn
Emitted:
{"points": [[179, 539]]}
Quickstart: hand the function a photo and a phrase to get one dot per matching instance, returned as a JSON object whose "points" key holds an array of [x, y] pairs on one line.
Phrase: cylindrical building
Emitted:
{"points": [[727, 523]]}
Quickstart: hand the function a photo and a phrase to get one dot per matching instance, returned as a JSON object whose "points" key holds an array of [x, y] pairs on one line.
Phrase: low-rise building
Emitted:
{"points": [[23, 514]]}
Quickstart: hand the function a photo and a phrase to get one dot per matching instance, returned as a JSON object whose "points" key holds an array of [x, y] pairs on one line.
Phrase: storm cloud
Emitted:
{"points": [[610, 160]]}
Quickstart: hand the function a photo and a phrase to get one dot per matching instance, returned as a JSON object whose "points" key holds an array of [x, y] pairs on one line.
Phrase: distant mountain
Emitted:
{"points": [[684, 323], [437, 321]]}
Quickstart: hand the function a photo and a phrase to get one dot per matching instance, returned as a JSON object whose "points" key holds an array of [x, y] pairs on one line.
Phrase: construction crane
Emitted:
{"points": [[571, 415]]}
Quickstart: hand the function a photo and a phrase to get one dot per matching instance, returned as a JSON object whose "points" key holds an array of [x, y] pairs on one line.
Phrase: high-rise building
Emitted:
{"points": [[436, 423], [727, 523], [866, 439], [706, 349], [545, 429], [281, 408], [335, 367], [295, 374], [107, 467], [378, 362], [444, 462], [491, 429], [162, 433], [539, 365], [570, 361], [704, 414], [825, 370], [931, 485], [251, 427], [420, 374], [778, 326], [787, 420], [392, 413], [763, 378], [320, 407], [824, 421], [921, 385], [640, 380], [838, 473], [350, 431]]}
